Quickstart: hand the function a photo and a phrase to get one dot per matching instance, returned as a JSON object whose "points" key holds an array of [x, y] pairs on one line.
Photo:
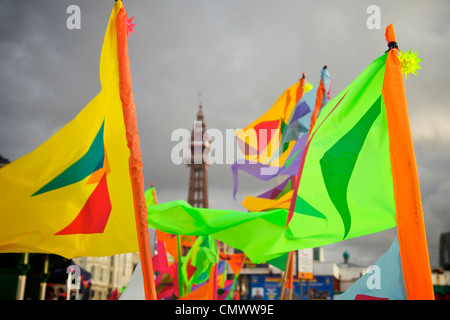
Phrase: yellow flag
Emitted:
{"points": [[260, 140], [73, 195]]}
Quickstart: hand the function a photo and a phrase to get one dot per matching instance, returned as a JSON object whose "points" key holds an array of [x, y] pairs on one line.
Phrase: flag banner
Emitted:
{"points": [[358, 171], [357, 176], [349, 146], [288, 135], [383, 281], [259, 141], [73, 195], [198, 261], [203, 292], [327, 208]]}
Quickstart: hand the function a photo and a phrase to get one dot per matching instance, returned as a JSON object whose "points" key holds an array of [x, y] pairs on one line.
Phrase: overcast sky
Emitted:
{"points": [[241, 55]]}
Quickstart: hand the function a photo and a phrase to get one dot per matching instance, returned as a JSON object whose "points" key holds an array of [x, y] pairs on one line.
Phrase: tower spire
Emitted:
{"points": [[198, 179]]}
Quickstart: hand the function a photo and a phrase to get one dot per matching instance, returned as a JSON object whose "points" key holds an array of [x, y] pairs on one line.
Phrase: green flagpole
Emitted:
{"points": [[180, 274]]}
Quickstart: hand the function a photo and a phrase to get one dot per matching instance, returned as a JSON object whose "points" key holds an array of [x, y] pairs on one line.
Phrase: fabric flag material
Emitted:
{"points": [[73, 195], [165, 280], [261, 235], [292, 134], [170, 240], [204, 292], [363, 135], [198, 261], [383, 281], [135, 288], [277, 197], [150, 196], [329, 206], [260, 140], [236, 262], [358, 176]]}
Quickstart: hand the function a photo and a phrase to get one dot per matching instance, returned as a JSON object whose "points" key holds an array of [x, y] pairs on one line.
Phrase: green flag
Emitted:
{"points": [[345, 181], [345, 187], [201, 257], [357, 176], [260, 235]]}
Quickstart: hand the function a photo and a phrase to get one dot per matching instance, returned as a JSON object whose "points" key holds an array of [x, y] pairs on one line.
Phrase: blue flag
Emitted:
{"points": [[383, 281]]}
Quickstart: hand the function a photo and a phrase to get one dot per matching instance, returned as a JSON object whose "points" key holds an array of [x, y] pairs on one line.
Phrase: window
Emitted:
{"points": [[93, 272]]}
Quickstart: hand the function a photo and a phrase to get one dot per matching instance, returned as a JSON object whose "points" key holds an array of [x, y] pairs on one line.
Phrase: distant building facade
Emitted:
{"points": [[108, 273]]}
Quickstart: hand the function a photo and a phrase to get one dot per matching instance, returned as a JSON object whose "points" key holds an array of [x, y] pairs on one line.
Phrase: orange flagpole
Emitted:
{"points": [[290, 276], [285, 275], [410, 222], [154, 193], [135, 162], [319, 97]]}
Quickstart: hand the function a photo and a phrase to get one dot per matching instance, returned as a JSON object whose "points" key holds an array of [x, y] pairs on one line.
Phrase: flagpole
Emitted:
{"points": [[135, 162], [22, 278], [180, 275], [43, 284], [283, 279], [296, 181], [68, 285], [409, 212], [216, 272], [214, 295], [290, 275]]}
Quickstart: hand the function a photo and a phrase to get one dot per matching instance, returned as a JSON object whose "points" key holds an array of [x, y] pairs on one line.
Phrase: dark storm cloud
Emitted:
{"points": [[241, 55]]}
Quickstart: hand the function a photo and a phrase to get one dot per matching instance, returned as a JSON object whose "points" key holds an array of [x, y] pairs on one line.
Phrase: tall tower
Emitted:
{"points": [[198, 179]]}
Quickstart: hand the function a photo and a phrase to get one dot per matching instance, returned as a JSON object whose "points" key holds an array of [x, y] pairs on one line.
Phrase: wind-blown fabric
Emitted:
{"points": [[292, 135], [73, 195], [236, 262], [357, 176], [259, 142], [383, 281], [199, 260], [278, 197], [359, 167], [316, 221]]}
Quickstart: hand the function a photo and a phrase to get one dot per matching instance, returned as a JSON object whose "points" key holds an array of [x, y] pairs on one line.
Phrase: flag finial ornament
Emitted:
{"points": [[130, 26], [409, 62], [307, 87]]}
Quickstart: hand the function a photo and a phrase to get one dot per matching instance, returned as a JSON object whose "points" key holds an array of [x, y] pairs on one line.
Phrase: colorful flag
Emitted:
{"points": [[198, 261], [203, 292], [74, 194], [357, 176], [261, 235], [261, 139], [383, 281], [236, 262], [316, 220], [358, 173], [150, 196], [278, 197], [291, 134]]}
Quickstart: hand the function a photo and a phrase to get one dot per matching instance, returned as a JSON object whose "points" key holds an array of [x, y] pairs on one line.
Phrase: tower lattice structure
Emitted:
{"points": [[198, 178]]}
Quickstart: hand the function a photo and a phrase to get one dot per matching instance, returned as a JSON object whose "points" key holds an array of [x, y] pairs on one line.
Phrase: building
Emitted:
{"points": [[327, 281], [349, 273], [441, 275], [108, 273], [3, 161]]}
